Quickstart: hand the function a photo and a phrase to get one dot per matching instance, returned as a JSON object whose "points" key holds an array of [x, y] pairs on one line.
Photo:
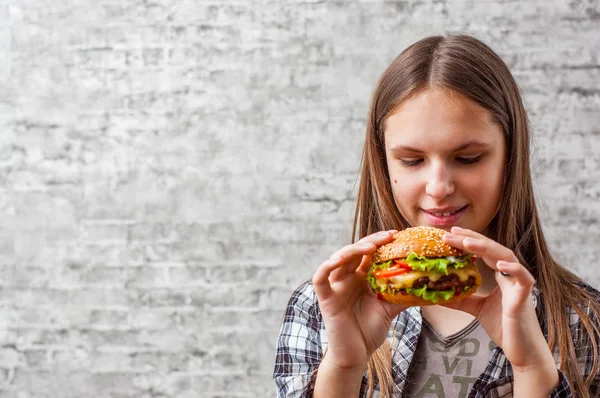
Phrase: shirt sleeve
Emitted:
{"points": [[562, 390], [299, 349], [584, 352]]}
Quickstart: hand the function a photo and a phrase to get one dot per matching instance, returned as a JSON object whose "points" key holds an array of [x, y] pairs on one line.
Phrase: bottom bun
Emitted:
{"points": [[411, 300]]}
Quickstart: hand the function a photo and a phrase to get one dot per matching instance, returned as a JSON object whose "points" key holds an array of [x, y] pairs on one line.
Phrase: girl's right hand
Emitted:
{"points": [[356, 322]]}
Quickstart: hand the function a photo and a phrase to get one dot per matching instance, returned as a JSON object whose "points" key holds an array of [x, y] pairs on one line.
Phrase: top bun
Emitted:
{"points": [[424, 241]]}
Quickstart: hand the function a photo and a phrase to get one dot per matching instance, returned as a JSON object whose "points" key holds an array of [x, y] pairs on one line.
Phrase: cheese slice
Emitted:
{"points": [[404, 281]]}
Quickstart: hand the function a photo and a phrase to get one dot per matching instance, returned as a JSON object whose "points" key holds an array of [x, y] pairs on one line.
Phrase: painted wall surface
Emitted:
{"points": [[171, 170]]}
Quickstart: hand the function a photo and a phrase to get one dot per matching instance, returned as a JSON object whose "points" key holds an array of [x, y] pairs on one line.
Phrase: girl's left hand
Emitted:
{"points": [[507, 313]]}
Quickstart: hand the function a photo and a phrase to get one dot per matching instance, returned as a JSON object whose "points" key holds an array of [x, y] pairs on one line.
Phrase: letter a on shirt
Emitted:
{"points": [[433, 386]]}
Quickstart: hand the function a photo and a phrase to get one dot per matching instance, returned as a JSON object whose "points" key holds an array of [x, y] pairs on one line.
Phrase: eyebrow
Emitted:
{"points": [[470, 144]]}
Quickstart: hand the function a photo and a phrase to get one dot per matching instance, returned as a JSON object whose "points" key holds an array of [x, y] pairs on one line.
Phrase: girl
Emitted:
{"points": [[447, 146]]}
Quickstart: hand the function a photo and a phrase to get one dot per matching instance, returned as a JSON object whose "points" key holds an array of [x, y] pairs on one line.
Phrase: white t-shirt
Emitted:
{"points": [[447, 367]]}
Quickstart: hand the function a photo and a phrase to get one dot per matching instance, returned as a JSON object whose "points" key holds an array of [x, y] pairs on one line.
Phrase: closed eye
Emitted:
{"points": [[410, 162], [468, 160]]}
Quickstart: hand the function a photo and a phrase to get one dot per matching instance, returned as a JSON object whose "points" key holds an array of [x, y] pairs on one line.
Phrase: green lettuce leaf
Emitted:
{"points": [[371, 278], [431, 295], [438, 265]]}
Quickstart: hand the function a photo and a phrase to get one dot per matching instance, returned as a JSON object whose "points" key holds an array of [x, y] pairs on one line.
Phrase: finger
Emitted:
{"points": [[516, 298], [485, 248], [348, 258], [365, 264], [365, 246], [379, 238], [347, 267], [517, 272], [466, 232], [485, 242], [321, 277], [354, 250], [515, 281], [351, 257]]}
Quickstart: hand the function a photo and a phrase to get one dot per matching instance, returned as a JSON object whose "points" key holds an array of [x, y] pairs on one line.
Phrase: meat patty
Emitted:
{"points": [[446, 282]]}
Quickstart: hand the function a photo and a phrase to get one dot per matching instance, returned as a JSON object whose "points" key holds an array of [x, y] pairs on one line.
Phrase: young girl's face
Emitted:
{"points": [[445, 158]]}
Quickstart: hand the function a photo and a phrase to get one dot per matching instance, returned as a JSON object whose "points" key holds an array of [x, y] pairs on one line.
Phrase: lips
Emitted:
{"points": [[443, 217], [443, 214]]}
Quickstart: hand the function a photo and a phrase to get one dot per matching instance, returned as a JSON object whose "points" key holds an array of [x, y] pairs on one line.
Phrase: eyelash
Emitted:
{"points": [[469, 160], [413, 163], [410, 163]]}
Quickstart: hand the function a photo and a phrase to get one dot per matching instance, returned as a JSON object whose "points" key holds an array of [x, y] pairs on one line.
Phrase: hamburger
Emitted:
{"points": [[417, 268]]}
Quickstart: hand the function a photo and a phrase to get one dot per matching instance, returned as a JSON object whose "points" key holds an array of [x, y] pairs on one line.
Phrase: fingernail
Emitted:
{"points": [[502, 264], [383, 233], [365, 245]]}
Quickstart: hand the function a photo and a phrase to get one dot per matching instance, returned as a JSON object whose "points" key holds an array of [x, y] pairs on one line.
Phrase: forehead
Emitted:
{"points": [[440, 117]]}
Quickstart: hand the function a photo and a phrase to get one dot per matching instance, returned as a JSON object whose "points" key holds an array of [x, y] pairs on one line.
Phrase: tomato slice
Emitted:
{"points": [[401, 264], [398, 268], [390, 272]]}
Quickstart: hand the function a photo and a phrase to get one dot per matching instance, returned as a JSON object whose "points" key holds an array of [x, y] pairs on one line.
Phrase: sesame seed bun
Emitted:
{"points": [[424, 241]]}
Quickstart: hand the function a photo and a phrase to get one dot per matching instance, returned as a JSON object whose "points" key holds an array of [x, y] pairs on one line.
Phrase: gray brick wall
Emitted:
{"points": [[170, 171]]}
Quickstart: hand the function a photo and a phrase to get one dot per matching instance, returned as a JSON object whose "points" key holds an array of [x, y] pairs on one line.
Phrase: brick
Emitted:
{"points": [[57, 298], [162, 297], [27, 337], [28, 244], [37, 358], [160, 361], [191, 275], [10, 357], [101, 232], [23, 277], [75, 275], [155, 276], [152, 232], [45, 358], [49, 384], [109, 317], [111, 383], [162, 384], [108, 362], [159, 318], [222, 384], [254, 319], [7, 393]]}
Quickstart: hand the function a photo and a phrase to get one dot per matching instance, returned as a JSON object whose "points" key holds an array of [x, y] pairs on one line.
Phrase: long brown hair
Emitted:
{"points": [[466, 65]]}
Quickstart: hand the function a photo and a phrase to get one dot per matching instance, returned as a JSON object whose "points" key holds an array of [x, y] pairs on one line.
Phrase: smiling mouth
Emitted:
{"points": [[445, 214]]}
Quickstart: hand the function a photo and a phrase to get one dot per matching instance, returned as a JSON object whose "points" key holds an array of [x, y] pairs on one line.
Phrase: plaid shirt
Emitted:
{"points": [[302, 341]]}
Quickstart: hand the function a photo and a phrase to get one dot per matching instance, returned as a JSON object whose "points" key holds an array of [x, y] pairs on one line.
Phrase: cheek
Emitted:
{"points": [[484, 182], [404, 188]]}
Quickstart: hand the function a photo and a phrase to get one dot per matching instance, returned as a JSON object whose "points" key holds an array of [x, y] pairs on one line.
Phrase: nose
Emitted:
{"points": [[440, 181]]}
